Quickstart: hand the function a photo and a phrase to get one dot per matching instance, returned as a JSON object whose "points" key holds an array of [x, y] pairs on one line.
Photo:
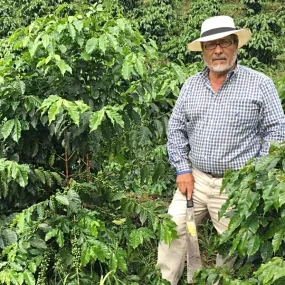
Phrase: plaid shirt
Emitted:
{"points": [[218, 131]]}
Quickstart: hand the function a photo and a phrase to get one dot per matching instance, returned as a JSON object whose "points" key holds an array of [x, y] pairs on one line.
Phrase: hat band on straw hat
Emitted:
{"points": [[216, 28], [217, 31]]}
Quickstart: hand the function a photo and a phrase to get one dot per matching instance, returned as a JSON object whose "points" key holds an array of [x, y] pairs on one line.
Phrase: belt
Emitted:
{"points": [[215, 175]]}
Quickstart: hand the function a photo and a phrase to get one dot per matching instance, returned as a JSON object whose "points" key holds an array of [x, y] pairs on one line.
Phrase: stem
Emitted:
{"points": [[77, 272], [66, 163], [88, 164], [71, 155]]}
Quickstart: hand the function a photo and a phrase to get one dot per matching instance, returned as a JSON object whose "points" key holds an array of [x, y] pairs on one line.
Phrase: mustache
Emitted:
{"points": [[218, 57]]}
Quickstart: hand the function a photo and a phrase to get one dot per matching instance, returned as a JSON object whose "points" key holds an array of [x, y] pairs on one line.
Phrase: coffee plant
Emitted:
{"points": [[266, 42], [189, 30], [256, 235], [68, 132], [156, 20], [15, 14], [281, 91], [66, 239], [87, 88], [252, 6]]}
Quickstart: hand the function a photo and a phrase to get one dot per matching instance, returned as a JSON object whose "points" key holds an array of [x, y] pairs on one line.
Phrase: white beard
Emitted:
{"points": [[221, 68]]}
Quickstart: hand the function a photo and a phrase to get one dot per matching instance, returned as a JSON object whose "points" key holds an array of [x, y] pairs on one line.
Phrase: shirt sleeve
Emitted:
{"points": [[177, 137], [272, 121]]}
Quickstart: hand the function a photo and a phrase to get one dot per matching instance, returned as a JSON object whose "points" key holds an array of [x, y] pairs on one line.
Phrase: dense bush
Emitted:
{"points": [[71, 135], [85, 99], [16, 14], [267, 34], [188, 29], [155, 19], [256, 233], [252, 6]]}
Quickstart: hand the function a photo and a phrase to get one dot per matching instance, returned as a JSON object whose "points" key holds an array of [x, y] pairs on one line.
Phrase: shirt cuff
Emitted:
{"points": [[183, 171], [183, 166]]}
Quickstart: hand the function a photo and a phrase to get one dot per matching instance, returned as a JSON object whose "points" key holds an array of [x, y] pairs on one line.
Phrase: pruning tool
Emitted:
{"points": [[193, 253]]}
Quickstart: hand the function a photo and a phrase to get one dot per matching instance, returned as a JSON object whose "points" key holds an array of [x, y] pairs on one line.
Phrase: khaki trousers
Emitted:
{"points": [[207, 200]]}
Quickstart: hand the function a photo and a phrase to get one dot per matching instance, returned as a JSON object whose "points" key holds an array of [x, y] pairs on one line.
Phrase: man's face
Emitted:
{"points": [[220, 58]]}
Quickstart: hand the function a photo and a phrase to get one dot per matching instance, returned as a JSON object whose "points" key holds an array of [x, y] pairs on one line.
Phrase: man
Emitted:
{"points": [[224, 116]]}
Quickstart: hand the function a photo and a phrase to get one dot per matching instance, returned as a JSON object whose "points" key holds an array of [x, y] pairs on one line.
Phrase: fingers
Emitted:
{"points": [[189, 193], [185, 188], [185, 183]]}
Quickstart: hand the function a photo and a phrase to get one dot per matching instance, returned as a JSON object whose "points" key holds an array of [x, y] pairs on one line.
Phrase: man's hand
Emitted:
{"points": [[185, 182]]}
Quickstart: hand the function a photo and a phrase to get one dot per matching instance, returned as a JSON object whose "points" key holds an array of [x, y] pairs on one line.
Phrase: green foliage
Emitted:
{"points": [[155, 20], [271, 272], [53, 123], [13, 171], [255, 234], [84, 98], [182, 34], [252, 6], [130, 4], [267, 34], [38, 243], [15, 14], [281, 91], [16, 177], [257, 206]]}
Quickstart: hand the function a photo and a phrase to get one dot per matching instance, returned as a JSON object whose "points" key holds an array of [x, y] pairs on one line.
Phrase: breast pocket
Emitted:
{"points": [[244, 114]]}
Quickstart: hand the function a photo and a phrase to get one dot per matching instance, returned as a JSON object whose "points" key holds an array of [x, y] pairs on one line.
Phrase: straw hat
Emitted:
{"points": [[218, 27]]}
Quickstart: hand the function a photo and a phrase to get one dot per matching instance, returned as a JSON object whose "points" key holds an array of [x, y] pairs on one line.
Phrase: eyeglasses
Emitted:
{"points": [[222, 43]]}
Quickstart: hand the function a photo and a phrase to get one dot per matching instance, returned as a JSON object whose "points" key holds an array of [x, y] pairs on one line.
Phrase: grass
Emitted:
{"points": [[207, 237]]}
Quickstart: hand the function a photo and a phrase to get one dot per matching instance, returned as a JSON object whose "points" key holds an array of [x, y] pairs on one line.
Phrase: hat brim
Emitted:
{"points": [[244, 36]]}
